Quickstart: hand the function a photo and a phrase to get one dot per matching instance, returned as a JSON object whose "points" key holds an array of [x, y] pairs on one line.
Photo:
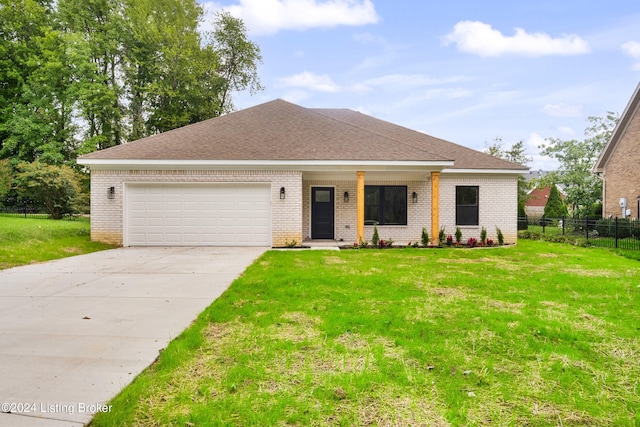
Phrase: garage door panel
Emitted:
{"points": [[198, 215]]}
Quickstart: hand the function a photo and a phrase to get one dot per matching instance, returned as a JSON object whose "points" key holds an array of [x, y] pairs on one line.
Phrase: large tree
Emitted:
{"points": [[239, 59], [515, 153], [582, 188], [82, 75], [23, 23]]}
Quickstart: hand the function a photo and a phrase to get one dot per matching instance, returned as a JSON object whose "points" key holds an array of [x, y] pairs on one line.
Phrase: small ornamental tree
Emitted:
{"points": [[442, 236], [376, 238], [458, 235], [555, 207], [425, 237], [56, 188]]}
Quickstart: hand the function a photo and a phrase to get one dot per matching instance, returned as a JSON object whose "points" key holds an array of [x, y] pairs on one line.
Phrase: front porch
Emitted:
{"points": [[334, 207]]}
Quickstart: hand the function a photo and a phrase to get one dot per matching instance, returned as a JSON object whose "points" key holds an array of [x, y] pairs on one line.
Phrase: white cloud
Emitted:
{"points": [[562, 110], [270, 16], [311, 81], [566, 131], [632, 49], [482, 39], [405, 82], [412, 80], [538, 161]]}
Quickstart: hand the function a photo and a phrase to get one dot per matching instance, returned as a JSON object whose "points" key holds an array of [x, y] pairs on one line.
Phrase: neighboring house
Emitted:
{"points": [[619, 164], [277, 173], [538, 200]]}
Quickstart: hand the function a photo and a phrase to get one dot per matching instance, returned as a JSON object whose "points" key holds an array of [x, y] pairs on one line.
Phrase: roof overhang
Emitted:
{"points": [[486, 171], [621, 127]]}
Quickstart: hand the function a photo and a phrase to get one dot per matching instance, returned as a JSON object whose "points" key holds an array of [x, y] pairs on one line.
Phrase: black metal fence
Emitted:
{"points": [[25, 209], [622, 233]]}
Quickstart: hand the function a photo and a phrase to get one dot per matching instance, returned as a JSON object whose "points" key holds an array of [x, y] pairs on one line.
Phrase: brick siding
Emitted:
{"points": [[107, 214], [622, 172], [291, 218], [498, 207]]}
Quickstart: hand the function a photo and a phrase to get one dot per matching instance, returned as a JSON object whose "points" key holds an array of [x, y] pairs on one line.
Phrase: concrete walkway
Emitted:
{"points": [[74, 332]]}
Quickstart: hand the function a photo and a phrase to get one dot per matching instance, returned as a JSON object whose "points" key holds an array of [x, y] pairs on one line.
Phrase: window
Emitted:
{"points": [[385, 205], [467, 205]]}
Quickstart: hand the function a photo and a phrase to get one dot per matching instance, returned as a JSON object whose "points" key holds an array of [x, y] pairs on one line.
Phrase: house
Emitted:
{"points": [[279, 173], [618, 165]]}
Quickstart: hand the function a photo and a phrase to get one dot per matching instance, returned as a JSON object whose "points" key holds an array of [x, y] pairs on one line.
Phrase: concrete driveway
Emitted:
{"points": [[74, 332]]}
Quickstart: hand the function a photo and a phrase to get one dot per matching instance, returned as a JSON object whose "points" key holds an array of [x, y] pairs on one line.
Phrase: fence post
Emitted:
{"points": [[544, 222], [615, 228], [586, 227]]}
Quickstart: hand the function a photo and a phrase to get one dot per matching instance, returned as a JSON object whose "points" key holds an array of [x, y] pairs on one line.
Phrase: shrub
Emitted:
{"points": [[425, 237], [56, 188], [449, 240], [626, 228], [472, 242], [376, 238], [528, 234], [522, 217], [291, 244], [483, 235], [500, 236], [489, 242], [385, 243], [458, 235], [441, 236]]}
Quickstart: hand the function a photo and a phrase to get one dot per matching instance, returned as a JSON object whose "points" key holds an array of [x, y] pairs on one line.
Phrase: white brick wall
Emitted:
{"points": [[291, 217], [498, 200], [107, 214], [418, 215]]}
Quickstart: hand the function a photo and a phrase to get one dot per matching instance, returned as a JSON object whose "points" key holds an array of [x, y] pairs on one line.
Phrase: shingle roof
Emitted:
{"points": [[279, 130]]}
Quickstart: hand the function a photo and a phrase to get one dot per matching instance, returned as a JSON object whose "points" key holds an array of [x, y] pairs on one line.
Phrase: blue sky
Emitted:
{"points": [[465, 71]]}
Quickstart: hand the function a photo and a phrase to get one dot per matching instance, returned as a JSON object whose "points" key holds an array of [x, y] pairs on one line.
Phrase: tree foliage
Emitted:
{"points": [[577, 158], [54, 187], [82, 75], [516, 153]]}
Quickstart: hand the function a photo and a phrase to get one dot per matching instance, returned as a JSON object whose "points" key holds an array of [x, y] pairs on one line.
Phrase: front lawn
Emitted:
{"points": [[29, 240], [538, 334]]}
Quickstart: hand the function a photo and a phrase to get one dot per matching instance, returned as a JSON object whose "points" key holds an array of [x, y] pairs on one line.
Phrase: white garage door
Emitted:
{"points": [[198, 215]]}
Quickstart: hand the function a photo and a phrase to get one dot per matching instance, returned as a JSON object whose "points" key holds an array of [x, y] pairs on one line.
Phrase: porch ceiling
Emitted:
{"points": [[376, 175]]}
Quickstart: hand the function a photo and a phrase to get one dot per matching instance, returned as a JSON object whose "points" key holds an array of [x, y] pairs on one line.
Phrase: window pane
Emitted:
{"points": [[371, 205], [385, 205], [467, 196], [395, 205], [323, 196], [467, 212]]}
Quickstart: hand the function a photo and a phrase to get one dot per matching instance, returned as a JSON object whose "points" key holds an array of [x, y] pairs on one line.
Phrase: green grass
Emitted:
{"points": [[537, 334], [29, 240]]}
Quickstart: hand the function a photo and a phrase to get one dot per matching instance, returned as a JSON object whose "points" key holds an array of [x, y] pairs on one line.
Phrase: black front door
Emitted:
{"points": [[322, 215]]}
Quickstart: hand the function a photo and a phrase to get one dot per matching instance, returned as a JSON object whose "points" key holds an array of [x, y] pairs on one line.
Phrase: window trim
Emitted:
{"points": [[381, 205], [468, 207]]}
